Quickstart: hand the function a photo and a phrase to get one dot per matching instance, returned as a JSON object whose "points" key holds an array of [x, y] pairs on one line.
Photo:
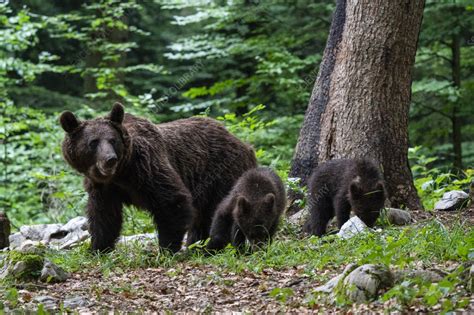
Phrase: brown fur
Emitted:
{"points": [[338, 186], [251, 210], [178, 171]]}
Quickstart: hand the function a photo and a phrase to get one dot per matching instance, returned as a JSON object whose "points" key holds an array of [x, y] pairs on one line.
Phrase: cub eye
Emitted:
{"points": [[112, 141], [93, 143]]}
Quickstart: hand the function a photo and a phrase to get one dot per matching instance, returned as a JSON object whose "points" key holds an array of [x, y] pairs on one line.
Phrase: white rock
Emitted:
{"points": [[52, 273], [364, 283], [16, 240], [48, 302], [73, 239], [39, 232], [142, 238], [452, 200], [424, 274], [32, 247], [76, 302], [352, 227], [398, 216], [329, 286], [78, 223], [19, 268], [299, 218], [60, 236]]}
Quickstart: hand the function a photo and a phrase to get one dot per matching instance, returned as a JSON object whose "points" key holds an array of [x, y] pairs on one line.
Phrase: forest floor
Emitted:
{"points": [[280, 279]]}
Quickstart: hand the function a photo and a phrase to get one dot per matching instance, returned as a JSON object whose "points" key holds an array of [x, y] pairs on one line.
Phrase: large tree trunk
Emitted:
{"points": [[360, 101]]}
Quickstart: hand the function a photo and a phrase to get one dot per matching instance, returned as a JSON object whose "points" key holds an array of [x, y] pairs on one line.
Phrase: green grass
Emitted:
{"points": [[430, 243]]}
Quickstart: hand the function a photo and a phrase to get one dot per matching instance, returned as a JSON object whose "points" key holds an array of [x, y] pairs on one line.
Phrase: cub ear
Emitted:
{"points": [[117, 113], [269, 199], [356, 191], [68, 121], [380, 188], [242, 204]]}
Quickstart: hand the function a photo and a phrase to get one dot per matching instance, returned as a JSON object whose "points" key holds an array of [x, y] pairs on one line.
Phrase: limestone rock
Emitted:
{"points": [[329, 286], [428, 275], [299, 218], [52, 273], [398, 216], [452, 200], [141, 238], [49, 303], [16, 240], [365, 282], [39, 232], [76, 302], [58, 236], [32, 247], [352, 227], [77, 223], [73, 239], [71, 234]]}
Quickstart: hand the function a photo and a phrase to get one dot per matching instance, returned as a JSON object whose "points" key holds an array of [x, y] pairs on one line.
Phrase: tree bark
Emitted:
{"points": [[360, 101], [456, 119], [306, 152]]}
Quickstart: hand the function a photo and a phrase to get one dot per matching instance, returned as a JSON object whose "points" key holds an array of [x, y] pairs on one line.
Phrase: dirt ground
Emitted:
{"points": [[198, 288]]}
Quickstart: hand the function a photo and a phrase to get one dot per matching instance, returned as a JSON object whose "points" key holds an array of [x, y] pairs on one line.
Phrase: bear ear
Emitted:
{"points": [[269, 200], [380, 188], [242, 204], [68, 121], [117, 113], [356, 191]]}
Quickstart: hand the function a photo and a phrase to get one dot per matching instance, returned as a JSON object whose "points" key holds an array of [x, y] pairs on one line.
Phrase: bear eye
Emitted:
{"points": [[93, 143], [112, 141]]}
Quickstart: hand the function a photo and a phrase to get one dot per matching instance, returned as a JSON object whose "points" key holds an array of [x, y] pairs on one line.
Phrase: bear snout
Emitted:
{"points": [[110, 161]]}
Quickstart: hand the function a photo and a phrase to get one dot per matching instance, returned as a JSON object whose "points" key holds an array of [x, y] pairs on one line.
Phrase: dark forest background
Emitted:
{"points": [[251, 64]]}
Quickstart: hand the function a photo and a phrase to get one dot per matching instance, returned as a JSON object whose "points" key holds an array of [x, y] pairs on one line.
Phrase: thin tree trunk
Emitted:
{"points": [[456, 119], [360, 102]]}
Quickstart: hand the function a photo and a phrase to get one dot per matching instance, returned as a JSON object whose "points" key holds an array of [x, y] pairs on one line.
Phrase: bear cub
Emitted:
{"points": [[338, 186], [251, 211]]}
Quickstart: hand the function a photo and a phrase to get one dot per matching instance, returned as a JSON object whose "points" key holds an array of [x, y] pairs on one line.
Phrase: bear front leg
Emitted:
{"points": [[220, 230], [321, 212], [172, 220], [104, 211], [238, 237], [343, 209]]}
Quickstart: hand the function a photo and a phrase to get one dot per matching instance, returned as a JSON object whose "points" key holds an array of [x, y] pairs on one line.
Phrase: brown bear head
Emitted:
{"points": [[367, 199], [255, 217], [98, 147]]}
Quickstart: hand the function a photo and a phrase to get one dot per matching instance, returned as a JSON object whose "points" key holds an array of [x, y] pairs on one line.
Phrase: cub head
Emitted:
{"points": [[96, 147], [367, 200], [255, 218]]}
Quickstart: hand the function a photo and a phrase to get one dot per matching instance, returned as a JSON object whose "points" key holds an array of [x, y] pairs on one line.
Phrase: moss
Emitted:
{"points": [[34, 264]]}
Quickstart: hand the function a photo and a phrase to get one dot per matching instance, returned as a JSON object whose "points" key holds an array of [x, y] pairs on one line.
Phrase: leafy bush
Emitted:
{"points": [[38, 185], [431, 183]]}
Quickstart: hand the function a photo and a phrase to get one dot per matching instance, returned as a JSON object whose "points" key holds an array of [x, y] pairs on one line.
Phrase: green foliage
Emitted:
{"points": [[38, 187], [33, 265], [445, 293], [443, 83], [281, 294], [249, 49], [431, 183]]}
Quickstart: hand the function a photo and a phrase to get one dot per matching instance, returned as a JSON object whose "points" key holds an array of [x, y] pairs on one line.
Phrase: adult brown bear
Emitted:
{"points": [[178, 171]]}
